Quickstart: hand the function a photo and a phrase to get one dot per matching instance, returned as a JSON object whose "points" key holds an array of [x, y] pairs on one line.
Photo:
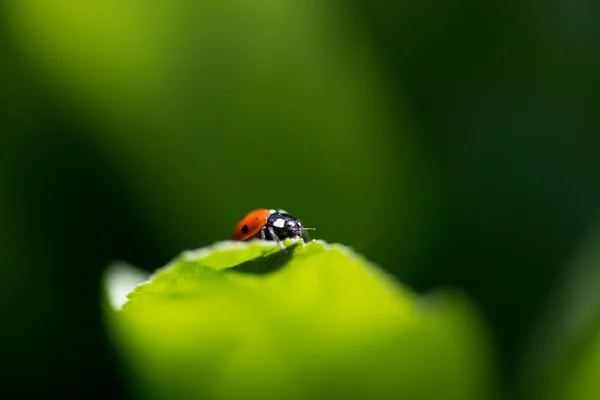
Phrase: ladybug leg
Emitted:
{"points": [[262, 235], [274, 237]]}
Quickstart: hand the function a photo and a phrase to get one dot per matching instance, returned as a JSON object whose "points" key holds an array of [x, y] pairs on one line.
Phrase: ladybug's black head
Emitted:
{"points": [[286, 226]]}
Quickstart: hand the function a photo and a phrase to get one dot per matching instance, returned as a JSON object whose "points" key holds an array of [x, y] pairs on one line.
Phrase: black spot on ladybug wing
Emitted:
{"points": [[245, 229]]}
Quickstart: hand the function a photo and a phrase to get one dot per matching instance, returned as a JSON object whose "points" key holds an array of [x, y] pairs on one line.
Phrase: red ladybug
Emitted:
{"points": [[267, 224]]}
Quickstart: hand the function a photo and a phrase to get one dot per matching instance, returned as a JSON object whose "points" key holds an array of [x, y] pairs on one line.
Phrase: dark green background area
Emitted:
{"points": [[453, 144]]}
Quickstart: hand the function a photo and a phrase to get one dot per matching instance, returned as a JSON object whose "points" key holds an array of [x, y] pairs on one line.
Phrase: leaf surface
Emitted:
{"points": [[316, 321]]}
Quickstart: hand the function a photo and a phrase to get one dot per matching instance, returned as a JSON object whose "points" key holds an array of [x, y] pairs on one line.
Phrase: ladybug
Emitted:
{"points": [[275, 225]]}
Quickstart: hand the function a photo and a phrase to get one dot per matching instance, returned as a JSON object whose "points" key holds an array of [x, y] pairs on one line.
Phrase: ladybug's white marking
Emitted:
{"points": [[279, 223]]}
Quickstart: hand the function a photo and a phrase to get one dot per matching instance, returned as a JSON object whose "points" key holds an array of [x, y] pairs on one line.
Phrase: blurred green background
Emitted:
{"points": [[452, 143]]}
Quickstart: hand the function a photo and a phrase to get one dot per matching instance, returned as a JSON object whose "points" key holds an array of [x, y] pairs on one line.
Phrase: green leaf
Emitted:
{"points": [[316, 321], [564, 358]]}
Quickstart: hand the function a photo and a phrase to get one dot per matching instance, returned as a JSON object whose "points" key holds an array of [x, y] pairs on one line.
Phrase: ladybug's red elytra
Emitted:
{"points": [[274, 224]]}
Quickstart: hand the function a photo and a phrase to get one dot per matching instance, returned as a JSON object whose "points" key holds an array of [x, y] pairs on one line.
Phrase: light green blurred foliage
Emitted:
{"points": [[563, 357], [583, 383], [323, 323], [212, 108]]}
